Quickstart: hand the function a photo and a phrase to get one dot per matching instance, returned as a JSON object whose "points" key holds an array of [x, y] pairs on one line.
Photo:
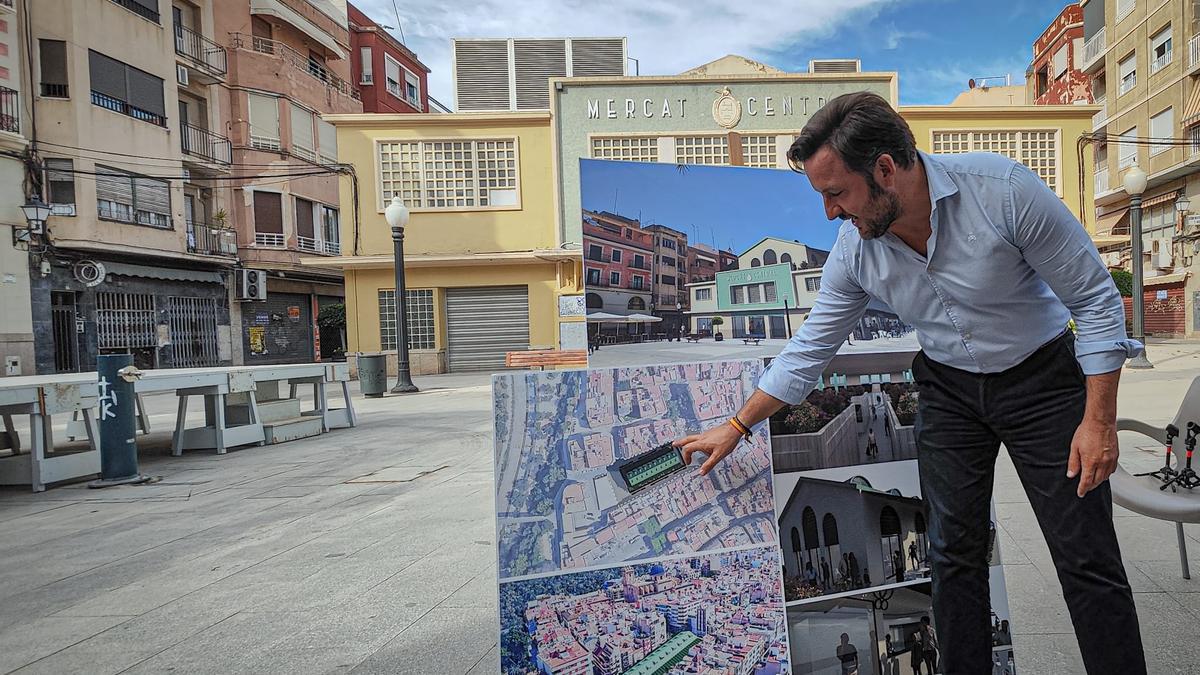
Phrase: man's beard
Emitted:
{"points": [[886, 207]]}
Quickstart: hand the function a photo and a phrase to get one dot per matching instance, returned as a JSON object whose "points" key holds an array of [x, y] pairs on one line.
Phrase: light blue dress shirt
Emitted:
{"points": [[1007, 267]]}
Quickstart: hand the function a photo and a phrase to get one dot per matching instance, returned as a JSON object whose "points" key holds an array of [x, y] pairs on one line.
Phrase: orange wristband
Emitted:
{"points": [[741, 427]]}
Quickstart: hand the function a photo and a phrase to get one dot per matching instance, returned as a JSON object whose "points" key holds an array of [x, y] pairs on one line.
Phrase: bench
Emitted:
{"points": [[692, 337], [753, 338], [540, 358]]}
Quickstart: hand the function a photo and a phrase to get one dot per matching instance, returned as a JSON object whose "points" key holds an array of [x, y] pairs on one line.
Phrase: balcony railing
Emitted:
{"points": [[206, 145], [117, 105], [1100, 118], [1194, 51], [314, 245], [296, 60], [208, 239], [1101, 181], [1194, 137], [268, 240], [10, 110], [8, 4], [51, 90], [1160, 62], [1094, 48], [332, 247], [205, 53], [1127, 84]]}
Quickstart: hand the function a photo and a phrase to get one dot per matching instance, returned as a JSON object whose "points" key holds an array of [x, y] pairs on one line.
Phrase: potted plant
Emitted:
{"points": [[717, 322]]}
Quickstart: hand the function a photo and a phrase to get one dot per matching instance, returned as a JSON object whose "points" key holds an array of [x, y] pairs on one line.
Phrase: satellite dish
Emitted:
{"points": [[971, 83]]}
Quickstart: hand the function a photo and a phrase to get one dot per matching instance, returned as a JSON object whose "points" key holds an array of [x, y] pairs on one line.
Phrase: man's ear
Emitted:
{"points": [[885, 171]]}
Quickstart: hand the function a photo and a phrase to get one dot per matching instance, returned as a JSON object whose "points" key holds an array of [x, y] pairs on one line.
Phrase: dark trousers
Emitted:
{"points": [[1033, 409]]}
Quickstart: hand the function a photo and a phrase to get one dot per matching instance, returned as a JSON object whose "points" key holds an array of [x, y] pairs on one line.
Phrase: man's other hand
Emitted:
{"points": [[1094, 453], [717, 442]]}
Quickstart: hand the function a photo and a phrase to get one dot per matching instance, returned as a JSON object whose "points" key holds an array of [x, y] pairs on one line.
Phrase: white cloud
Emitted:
{"points": [[894, 36], [667, 36]]}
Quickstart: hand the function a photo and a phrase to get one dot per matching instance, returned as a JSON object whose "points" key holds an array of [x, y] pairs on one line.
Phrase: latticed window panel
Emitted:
{"points": [[951, 142], [702, 150], [760, 152], [419, 309], [447, 174], [1037, 150], [625, 148], [400, 171], [497, 162], [125, 320]]}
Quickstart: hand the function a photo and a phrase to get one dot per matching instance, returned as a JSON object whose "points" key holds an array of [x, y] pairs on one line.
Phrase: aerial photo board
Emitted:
{"points": [[613, 555]]}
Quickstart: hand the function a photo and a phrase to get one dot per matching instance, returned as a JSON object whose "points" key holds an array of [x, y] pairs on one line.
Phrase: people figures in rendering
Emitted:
{"points": [[1003, 636], [826, 578], [810, 575], [854, 575], [847, 653], [988, 265], [912, 555], [929, 646], [872, 444]]}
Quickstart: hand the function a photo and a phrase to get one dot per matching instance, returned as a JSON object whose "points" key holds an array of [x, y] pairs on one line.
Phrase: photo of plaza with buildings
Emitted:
{"points": [[692, 262], [712, 613]]}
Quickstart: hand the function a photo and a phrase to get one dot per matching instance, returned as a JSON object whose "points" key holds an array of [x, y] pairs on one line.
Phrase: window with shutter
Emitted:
{"points": [[302, 133], [392, 70], [60, 178], [264, 122], [1060, 61], [1162, 126], [124, 89], [368, 68], [53, 60], [412, 88], [1128, 149], [268, 212], [129, 198], [304, 220], [328, 141], [1127, 70]]}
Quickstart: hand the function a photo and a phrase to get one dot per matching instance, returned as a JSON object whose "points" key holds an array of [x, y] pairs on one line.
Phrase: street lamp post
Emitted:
{"points": [[396, 215], [1135, 185], [679, 328]]}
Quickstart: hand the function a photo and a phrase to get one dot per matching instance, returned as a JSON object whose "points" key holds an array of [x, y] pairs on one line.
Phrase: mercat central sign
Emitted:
{"points": [[664, 108]]}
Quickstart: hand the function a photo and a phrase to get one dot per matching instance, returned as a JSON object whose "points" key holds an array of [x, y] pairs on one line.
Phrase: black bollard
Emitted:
{"points": [[118, 429]]}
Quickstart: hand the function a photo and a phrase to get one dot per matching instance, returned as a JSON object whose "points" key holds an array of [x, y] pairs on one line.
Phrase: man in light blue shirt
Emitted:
{"points": [[988, 265]]}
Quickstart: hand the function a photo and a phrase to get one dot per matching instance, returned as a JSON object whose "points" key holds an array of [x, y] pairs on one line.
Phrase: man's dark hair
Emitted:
{"points": [[925, 620], [859, 127]]}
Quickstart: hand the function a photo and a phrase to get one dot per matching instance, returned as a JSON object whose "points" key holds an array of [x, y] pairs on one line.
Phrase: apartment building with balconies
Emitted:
{"points": [[390, 77], [134, 160], [289, 64], [617, 264], [1143, 58]]}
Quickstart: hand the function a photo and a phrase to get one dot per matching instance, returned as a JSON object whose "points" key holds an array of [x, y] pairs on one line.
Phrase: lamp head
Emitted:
{"points": [[396, 215], [1135, 181]]}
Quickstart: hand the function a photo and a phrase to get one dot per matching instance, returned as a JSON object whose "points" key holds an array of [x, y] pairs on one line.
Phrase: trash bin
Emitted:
{"points": [[372, 374]]}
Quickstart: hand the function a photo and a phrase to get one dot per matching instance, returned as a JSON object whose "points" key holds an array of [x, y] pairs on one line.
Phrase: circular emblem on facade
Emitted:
{"points": [[726, 110]]}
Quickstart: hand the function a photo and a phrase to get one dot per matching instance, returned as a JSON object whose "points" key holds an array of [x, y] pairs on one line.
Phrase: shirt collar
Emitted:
{"points": [[941, 185]]}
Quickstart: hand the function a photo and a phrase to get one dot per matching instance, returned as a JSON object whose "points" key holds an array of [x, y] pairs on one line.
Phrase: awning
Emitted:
{"points": [[167, 273], [282, 12], [1165, 279], [1160, 199], [605, 317], [643, 318], [1191, 112], [1116, 221]]}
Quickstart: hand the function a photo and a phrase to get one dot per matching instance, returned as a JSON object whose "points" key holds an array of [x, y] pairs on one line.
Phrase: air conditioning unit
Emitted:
{"points": [[181, 74], [252, 285]]}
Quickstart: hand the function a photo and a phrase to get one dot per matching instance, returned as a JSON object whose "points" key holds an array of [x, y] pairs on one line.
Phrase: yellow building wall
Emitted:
{"points": [[1070, 121], [529, 225]]}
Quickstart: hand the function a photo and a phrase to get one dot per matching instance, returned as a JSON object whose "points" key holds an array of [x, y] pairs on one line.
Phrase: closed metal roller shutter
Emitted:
{"points": [[484, 323]]}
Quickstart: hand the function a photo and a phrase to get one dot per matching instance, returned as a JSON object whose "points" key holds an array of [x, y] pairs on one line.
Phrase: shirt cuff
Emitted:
{"points": [[1105, 356], [779, 383]]}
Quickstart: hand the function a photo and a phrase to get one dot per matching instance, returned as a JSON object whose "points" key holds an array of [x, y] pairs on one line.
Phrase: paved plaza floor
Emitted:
{"points": [[373, 550]]}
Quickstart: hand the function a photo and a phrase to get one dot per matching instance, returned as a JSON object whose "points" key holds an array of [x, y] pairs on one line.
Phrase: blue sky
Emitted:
{"points": [[733, 206], [935, 45]]}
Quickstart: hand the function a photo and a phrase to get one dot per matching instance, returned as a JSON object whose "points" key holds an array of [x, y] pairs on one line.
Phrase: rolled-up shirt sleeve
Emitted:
{"points": [[840, 305], [1058, 248]]}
